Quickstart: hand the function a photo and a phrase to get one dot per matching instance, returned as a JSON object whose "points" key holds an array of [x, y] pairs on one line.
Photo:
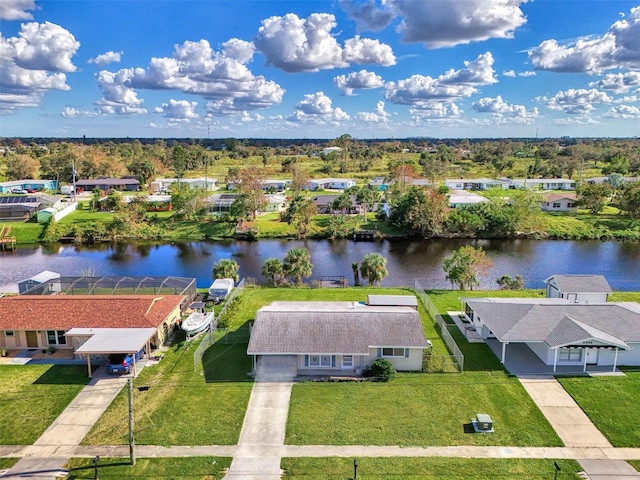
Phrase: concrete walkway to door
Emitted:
{"points": [[71, 426], [265, 421], [573, 426]]}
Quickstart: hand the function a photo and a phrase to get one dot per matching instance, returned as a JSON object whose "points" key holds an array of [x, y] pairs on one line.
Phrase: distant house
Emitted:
{"points": [[163, 184], [559, 202], [324, 204], [328, 150], [220, 203], [544, 183], [382, 184], [475, 184], [338, 336], [329, 184], [460, 198], [105, 184], [38, 279], [24, 207], [578, 288], [594, 180], [276, 185], [275, 203], [30, 184]]}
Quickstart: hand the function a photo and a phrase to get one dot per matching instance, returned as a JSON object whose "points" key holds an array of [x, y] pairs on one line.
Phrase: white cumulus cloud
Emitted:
{"points": [[27, 71], [106, 58], [619, 47], [296, 44], [220, 77], [501, 109], [70, 112], [509, 73], [575, 101], [422, 91], [358, 80], [623, 111], [16, 9], [528, 73], [317, 108], [117, 97], [182, 110], [436, 111], [618, 82], [378, 116], [441, 23]]}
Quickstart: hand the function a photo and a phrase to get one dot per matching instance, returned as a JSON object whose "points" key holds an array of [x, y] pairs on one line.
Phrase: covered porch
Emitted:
{"points": [[519, 359]]}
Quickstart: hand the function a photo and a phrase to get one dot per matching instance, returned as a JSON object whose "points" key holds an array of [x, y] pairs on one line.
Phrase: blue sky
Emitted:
{"points": [[314, 69]]}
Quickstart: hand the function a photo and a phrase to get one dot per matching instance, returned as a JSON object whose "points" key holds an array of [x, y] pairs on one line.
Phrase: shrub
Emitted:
{"points": [[383, 369]]}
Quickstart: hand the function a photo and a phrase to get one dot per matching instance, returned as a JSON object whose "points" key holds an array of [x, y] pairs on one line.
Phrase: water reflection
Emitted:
{"points": [[407, 260]]}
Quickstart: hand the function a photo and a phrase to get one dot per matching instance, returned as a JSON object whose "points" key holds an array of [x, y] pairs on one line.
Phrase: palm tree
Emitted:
{"points": [[272, 271], [226, 268], [374, 268], [297, 264]]}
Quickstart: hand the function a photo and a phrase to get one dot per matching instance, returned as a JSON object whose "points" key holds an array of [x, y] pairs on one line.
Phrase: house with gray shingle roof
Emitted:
{"points": [[559, 331], [578, 288], [340, 337]]}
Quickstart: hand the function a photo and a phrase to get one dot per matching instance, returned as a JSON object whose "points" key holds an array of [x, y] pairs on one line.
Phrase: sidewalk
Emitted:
{"points": [[40, 460]]}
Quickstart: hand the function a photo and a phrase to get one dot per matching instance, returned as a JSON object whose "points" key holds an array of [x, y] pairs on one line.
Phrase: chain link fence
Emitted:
{"points": [[214, 334], [440, 363]]}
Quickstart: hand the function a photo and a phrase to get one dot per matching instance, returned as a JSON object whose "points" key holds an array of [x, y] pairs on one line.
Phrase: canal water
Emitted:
{"points": [[407, 260]]}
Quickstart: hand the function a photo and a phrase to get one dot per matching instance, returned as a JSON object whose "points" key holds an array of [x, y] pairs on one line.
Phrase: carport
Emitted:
{"points": [[105, 341]]}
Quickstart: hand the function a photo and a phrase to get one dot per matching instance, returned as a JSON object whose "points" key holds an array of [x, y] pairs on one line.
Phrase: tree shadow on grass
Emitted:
{"points": [[64, 375], [87, 472]]}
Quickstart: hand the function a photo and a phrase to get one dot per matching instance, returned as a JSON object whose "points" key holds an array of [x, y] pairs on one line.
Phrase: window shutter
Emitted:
{"points": [[406, 353], [333, 360], [306, 360], [379, 352]]}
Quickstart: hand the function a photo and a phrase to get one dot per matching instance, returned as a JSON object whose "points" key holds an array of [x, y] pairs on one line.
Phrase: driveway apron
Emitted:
{"points": [[265, 421], [69, 428]]}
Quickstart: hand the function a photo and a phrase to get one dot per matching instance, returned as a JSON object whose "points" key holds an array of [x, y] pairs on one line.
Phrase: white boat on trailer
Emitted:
{"points": [[220, 288], [197, 322]]}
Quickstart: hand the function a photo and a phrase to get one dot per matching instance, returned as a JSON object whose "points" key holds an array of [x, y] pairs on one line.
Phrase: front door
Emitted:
{"points": [[32, 339], [347, 362], [592, 356]]}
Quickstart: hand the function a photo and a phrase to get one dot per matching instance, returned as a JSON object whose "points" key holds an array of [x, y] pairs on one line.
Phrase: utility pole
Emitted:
{"points": [[132, 453]]}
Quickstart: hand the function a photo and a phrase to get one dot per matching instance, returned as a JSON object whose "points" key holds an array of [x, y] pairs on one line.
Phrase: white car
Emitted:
{"points": [[19, 191]]}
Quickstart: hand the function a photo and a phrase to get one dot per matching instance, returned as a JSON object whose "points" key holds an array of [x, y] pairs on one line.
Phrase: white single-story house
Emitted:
{"points": [[275, 203], [29, 183], [559, 202], [329, 183], [339, 336], [475, 184], [544, 183], [560, 332], [578, 288], [37, 322], [162, 184], [459, 198], [276, 185], [105, 184], [594, 180]]}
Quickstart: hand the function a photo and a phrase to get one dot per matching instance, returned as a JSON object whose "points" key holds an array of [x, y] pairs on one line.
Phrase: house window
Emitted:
{"points": [[570, 354], [556, 205], [571, 205], [56, 337], [393, 352], [9, 333]]}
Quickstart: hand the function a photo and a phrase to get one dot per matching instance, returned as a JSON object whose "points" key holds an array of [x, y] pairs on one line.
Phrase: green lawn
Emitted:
{"points": [[477, 356], [611, 403], [182, 406], [33, 396], [400, 468], [25, 232], [416, 409], [8, 462], [192, 468]]}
